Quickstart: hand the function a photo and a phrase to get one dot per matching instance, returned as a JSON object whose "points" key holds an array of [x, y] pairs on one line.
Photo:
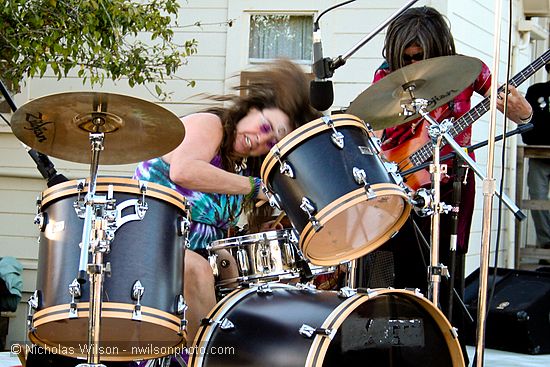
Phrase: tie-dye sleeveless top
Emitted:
{"points": [[211, 214]]}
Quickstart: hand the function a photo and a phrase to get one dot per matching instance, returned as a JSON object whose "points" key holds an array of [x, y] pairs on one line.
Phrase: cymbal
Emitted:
{"points": [[437, 80], [59, 125]]}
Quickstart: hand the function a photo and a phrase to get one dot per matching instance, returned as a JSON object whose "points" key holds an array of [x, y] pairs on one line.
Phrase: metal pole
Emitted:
{"points": [[434, 270], [488, 193]]}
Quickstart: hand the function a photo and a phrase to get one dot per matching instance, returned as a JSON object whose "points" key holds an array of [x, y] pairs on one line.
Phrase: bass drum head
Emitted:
{"points": [[289, 326], [354, 226]]}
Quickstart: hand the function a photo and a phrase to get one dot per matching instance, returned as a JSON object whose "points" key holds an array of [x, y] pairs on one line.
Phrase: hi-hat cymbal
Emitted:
{"points": [[437, 80], [59, 125]]}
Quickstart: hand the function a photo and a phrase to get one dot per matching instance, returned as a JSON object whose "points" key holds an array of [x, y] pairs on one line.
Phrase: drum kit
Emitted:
{"points": [[112, 249]]}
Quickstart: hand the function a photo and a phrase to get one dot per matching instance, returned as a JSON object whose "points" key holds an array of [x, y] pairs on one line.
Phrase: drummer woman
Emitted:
{"points": [[216, 167]]}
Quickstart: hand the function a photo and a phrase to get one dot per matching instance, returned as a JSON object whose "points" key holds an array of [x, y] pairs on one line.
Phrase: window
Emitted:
{"points": [[273, 36]]}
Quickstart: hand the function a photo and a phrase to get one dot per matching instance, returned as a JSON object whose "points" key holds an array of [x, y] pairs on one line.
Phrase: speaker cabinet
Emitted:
{"points": [[519, 312]]}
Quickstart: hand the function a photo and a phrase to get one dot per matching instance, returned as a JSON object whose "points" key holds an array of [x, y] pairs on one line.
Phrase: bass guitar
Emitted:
{"points": [[419, 149]]}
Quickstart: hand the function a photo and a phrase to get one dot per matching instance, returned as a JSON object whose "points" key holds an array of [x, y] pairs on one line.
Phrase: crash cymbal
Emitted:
{"points": [[134, 130], [437, 80]]}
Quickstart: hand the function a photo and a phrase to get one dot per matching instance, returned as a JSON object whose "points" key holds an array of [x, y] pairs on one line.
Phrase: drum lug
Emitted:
{"points": [[181, 306], [306, 286], [76, 292], [308, 208], [183, 227], [284, 167], [336, 137], [274, 199], [40, 218], [137, 293], [107, 269], [391, 168], [309, 331], [40, 221], [264, 289], [454, 333], [224, 324], [181, 309], [360, 177], [242, 261], [346, 292], [213, 260], [79, 204], [289, 254], [32, 304], [263, 254]]}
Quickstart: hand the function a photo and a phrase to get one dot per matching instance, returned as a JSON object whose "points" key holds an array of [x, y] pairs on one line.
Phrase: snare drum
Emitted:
{"points": [[146, 252], [330, 179], [281, 325], [258, 258]]}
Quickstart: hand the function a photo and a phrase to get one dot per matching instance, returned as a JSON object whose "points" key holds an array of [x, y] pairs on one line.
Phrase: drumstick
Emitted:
{"points": [[278, 220], [260, 203]]}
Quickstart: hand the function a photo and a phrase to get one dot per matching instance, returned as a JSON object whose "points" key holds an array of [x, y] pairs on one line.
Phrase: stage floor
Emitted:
{"points": [[493, 358]]}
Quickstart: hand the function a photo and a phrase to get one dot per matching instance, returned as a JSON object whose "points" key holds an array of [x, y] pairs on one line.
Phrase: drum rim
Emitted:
{"points": [[221, 309], [335, 320], [345, 202], [110, 310], [308, 130], [279, 234], [120, 184]]}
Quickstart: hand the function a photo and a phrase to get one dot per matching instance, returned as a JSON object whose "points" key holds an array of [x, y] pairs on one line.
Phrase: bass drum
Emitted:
{"points": [[148, 250], [330, 179], [283, 325]]}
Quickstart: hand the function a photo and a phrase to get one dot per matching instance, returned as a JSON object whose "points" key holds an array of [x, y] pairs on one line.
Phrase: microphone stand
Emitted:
{"points": [[332, 64], [43, 163], [488, 193], [328, 65]]}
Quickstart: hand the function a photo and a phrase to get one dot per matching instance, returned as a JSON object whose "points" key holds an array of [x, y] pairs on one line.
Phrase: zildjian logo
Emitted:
{"points": [[37, 126], [433, 101]]}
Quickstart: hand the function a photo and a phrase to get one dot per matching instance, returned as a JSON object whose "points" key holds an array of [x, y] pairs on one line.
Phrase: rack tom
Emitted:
{"points": [[332, 182]]}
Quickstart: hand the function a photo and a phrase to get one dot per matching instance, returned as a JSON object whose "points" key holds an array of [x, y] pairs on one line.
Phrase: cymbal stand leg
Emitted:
{"points": [[93, 241]]}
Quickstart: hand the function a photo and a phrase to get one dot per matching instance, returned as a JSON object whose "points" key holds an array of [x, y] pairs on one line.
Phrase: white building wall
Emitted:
{"points": [[221, 27]]}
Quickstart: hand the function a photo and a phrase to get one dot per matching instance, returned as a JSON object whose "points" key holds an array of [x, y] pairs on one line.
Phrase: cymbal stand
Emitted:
{"points": [[436, 131], [95, 241]]}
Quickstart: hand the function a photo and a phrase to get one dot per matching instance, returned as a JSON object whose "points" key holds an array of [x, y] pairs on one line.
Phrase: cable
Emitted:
{"points": [[316, 23], [5, 120]]}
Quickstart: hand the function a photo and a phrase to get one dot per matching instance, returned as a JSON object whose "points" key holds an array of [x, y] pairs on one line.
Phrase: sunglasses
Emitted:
{"points": [[415, 57], [266, 127]]}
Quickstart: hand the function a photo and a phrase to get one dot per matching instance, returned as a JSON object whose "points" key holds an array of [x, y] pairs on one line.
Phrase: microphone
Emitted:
{"points": [[321, 93], [43, 163], [45, 167]]}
